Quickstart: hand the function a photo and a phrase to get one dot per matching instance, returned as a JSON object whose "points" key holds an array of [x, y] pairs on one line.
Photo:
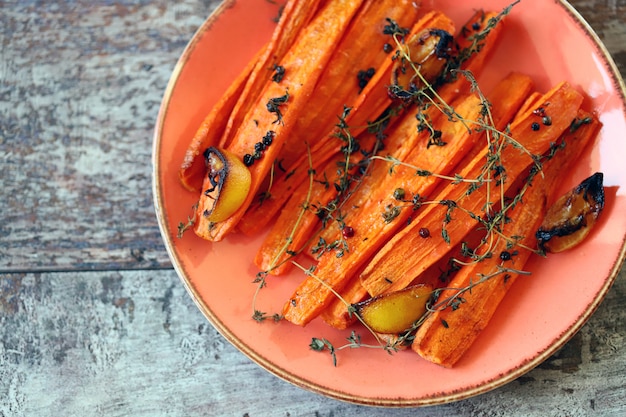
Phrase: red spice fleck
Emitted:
{"points": [[347, 232]]}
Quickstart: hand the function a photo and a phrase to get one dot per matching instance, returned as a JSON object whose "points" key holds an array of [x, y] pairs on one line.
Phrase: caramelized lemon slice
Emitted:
{"points": [[570, 219], [226, 186], [396, 311]]}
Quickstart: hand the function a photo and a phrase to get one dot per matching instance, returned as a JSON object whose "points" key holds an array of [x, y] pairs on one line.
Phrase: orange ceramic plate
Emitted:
{"points": [[544, 38]]}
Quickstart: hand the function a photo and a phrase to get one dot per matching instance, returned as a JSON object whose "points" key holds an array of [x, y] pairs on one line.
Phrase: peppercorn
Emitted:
{"points": [[424, 232], [248, 160], [347, 232], [535, 126], [505, 255], [399, 194], [268, 138]]}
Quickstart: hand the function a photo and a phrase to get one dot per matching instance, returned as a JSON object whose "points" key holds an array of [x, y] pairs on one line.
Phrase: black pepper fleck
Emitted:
{"points": [[268, 138], [248, 160], [398, 194]]}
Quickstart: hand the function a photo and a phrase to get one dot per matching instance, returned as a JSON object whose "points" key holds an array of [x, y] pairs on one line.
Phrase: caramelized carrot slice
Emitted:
{"points": [[193, 167], [226, 115], [293, 18]]}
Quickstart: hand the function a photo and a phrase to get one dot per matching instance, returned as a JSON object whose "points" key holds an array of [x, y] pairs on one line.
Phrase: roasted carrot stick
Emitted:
{"points": [[279, 105], [193, 169], [530, 102], [371, 102], [505, 99], [217, 127], [450, 220], [294, 16], [448, 332]]}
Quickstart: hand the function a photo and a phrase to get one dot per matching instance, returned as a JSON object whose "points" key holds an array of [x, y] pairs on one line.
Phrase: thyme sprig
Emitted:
{"points": [[321, 344], [191, 221], [304, 208], [395, 162]]}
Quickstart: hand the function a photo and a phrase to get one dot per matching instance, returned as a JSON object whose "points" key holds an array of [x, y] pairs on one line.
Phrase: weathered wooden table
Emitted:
{"points": [[93, 319]]}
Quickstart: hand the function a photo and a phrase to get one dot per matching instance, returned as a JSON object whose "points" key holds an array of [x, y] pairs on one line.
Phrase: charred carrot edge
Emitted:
{"points": [[193, 169], [372, 101], [294, 16], [280, 104], [506, 98], [387, 272], [448, 333]]}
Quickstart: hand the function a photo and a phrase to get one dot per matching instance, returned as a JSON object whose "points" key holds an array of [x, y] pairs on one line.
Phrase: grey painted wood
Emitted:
{"points": [[93, 320], [121, 343]]}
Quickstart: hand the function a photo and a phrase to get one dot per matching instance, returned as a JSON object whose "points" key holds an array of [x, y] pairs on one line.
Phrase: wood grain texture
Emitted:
{"points": [[133, 343], [93, 320]]}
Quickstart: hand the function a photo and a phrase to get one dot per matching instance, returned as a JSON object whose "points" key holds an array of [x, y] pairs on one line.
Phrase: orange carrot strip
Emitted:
{"points": [[531, 102], [193, 169], [217, 127], [505, 98], [280, 104], [445, 344], [293, 18], [391, 270]]}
